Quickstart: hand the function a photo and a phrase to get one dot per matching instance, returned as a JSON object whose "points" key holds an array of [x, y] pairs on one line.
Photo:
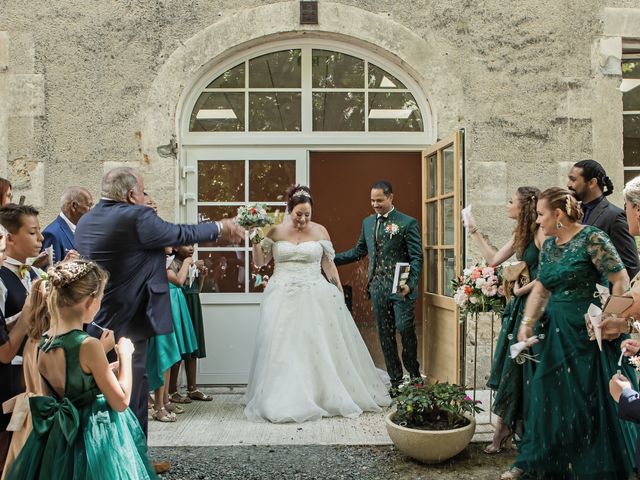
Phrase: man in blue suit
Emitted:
{"points": [[76, 201], [127, 238]]}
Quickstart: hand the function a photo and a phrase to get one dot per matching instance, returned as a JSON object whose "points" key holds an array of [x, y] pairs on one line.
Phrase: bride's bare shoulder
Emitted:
{"points": [[321, 231], [276, 232]]}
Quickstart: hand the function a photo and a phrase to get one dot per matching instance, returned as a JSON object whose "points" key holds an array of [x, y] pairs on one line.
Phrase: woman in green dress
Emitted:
{"points": [[84, 429], [573, 430], [509, 379]]}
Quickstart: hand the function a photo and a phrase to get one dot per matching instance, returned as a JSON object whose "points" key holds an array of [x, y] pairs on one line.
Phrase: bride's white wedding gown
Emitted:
{"points": [[310, 360]]}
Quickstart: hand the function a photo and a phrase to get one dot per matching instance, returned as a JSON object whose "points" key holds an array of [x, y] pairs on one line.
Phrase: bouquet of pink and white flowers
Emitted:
{"points": [[479, 289], [251, 217]]}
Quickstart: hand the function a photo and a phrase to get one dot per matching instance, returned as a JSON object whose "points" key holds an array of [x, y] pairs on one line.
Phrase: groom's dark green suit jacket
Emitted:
{"points": [[403, 246]]}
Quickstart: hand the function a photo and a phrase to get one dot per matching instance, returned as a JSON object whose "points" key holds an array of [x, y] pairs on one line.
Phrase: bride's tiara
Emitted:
{"points": [[301, 193]]}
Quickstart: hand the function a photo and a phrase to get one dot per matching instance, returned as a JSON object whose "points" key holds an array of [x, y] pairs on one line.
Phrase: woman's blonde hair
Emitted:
{"points": [[72, 281], [562, 199], [35, 312]]}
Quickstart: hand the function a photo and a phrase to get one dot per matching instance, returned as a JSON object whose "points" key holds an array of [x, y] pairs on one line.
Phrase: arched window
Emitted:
{"points": [[306, 90]]}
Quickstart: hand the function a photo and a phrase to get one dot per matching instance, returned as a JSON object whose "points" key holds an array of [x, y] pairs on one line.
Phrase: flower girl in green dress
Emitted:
{"points": [[84, 429]]}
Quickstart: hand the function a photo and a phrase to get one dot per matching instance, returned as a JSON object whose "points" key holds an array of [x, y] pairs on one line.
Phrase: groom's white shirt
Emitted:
{"points": [[385, 215]]}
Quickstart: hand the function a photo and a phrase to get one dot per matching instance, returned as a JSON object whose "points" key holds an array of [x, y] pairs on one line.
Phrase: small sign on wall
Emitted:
{"points": [[308, 12]]}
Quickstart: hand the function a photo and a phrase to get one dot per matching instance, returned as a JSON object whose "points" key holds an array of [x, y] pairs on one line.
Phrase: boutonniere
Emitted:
{"points": [[392, 229]]}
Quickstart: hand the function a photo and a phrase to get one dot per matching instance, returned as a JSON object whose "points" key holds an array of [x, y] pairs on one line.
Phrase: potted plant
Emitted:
{"points": [[432, 422]]}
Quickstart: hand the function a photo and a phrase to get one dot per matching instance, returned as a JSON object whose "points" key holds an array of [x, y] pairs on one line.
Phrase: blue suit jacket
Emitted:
{"points": [[128, 241], [60, 236], [629, 409]]}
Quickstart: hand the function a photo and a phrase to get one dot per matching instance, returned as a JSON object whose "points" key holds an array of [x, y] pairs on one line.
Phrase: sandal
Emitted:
{"points": [[198, 395], [512, 474], [173, 408], [175, 397], [162, 415]]}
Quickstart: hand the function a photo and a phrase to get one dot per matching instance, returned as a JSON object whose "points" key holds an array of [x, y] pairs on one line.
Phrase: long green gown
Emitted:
{"points": [[509, 379], [167, 350], [572, 427], [79, 436], [192, 296]]}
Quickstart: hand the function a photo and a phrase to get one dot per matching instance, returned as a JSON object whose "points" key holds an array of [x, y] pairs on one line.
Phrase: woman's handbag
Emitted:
{"points": [[516, 272]]}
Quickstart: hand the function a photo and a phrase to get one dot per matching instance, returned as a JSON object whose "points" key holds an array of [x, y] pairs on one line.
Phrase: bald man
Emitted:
{"points": [[76, 201]]}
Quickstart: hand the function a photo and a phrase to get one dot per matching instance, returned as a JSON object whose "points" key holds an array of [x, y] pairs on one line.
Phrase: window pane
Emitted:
{"points": [[338, 112], [259, 276], [449, 271], [631, 98], [447, 221], [432, 165], [631, 141], [432, 271], [631, 68], [394, 112], [336, 70], [447, 170], [274, 112], [221, 181], [432, 223], [378, 78], [269, 179], [232, 78], [218, 112], [276, 70], [630, 175], [226, 271], [210, 214]]}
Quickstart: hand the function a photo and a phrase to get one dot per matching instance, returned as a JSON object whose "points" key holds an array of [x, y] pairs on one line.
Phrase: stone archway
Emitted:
{"points": [[424, 58]]}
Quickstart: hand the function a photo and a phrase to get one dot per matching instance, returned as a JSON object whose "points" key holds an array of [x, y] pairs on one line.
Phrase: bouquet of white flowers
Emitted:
{"points": [[252, 217]]}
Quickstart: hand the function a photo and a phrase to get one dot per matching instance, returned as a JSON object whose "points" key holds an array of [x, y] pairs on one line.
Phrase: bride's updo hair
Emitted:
{"points": [[297, 194]]}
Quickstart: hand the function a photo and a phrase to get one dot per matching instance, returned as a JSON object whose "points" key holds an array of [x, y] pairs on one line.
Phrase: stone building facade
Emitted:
{"points": [[85, 86]]}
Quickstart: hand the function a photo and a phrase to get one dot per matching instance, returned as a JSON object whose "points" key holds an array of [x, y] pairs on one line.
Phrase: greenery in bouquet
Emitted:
{"points": [[438, 406], [254, 216], [479, 289]]}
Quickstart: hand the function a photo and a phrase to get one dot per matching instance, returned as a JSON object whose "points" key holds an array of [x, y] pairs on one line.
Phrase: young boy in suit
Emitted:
{"points": [[23, 241]]}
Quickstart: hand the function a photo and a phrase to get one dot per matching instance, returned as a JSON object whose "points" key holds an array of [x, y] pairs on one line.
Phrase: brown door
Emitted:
{"points": [[341, 184]]}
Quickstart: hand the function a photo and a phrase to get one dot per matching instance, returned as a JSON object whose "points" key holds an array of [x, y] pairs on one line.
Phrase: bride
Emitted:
{"points": [[310, 360]]}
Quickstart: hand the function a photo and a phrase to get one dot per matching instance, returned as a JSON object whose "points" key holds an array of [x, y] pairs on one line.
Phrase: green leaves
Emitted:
{"points": [[438, 406]]}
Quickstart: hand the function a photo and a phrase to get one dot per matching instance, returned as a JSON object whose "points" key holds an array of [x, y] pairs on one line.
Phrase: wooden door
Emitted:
{"points": [[341, 185], [442, 193]]}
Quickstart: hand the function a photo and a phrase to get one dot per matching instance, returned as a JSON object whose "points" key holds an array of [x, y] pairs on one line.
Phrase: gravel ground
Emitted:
{"points": [[323, 462]]}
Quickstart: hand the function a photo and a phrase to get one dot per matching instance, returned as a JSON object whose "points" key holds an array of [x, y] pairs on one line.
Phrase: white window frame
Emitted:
{"points": [[307, 137]]}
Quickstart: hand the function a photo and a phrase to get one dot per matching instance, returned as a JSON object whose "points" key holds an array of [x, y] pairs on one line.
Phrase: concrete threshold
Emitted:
{"points": [[221, 422]]}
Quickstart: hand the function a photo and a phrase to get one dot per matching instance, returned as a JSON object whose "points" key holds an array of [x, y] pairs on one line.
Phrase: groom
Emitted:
{"points": [[389, 237]]}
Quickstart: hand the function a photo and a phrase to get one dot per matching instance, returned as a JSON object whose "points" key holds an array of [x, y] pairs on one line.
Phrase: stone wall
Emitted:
{"points": [[534, 84]]}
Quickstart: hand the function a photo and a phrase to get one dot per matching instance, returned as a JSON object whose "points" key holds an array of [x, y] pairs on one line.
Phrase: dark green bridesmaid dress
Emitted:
{"points": [[572, 427]]}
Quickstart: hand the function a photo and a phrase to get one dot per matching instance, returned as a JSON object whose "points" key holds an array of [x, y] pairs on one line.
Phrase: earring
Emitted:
{"points": [[559, 225]]}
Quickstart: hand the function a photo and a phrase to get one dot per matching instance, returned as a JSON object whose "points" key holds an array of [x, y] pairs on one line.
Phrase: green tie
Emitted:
{"points": [[379, 221]]}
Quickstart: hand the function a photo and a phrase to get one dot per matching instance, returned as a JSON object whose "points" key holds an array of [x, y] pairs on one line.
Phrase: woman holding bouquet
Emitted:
{"points": [[509, 379], [572, 425], [310, 360]]}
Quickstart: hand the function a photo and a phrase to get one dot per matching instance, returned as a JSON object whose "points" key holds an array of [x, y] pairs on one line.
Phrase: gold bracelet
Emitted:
{"points": [[473, 230], [527, 322]]}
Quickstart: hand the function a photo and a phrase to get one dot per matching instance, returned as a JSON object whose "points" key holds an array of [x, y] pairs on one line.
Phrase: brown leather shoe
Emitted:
{"points": [[162, 466]]}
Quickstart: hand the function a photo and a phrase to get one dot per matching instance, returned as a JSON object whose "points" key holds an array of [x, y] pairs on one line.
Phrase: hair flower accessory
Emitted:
{"points": [[392, 229]]}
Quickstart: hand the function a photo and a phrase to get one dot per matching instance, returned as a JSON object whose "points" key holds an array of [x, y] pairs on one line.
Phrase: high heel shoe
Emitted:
{"points": [[512, 474], [505, 442]]}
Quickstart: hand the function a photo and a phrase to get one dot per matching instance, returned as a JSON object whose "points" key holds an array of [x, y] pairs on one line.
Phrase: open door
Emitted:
{"points": [[442, 194]]}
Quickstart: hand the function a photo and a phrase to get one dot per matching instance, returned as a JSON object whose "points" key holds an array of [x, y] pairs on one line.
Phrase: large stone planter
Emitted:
{"points": [[430, 446]]}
